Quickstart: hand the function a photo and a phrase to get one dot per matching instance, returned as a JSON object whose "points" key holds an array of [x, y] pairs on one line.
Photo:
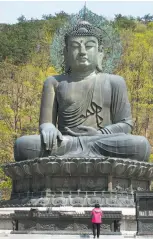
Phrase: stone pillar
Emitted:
{"points": [[130, 185], [150, 186], [137, 215], [110, 183]]}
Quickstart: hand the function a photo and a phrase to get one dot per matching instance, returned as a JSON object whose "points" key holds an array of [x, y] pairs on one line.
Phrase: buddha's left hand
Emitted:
{"points": [[88, 131]]}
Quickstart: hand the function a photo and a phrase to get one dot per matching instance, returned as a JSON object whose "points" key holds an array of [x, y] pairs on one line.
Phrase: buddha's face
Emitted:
{"points": [[82, 53]]}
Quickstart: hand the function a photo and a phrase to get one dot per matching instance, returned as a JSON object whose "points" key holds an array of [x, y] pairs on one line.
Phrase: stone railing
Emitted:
{"points": [[64, 222]]}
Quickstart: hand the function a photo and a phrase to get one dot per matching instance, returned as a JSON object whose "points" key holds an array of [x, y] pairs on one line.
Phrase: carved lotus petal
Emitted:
{"points": [[138, 165], [43, 164], [18, 171], [142, 171], [52, 168], [112, 160], [69, 167], [36, 169], [119, 168], [104, 167], [27, 169], [44, 160], [86, 168], [150, 172], [131, 170]]}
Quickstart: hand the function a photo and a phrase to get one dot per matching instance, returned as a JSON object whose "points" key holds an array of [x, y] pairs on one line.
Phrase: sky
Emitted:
{"points": [[11, 10]]}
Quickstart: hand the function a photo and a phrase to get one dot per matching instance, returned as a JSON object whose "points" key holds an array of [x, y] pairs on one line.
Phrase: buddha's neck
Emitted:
{"points": [[78, 76]]}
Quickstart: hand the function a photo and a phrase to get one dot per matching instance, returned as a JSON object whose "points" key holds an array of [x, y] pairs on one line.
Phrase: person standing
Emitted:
{"points": [[97, 215]]}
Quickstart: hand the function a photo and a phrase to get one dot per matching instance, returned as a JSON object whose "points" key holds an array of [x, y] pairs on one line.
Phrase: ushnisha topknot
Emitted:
{"points": [[84, 28]]}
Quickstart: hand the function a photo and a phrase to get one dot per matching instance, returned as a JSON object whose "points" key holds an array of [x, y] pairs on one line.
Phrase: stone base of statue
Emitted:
{"points": [[57, 181]]}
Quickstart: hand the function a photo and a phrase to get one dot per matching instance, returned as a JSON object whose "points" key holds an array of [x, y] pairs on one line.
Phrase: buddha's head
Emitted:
{"points": [[83, 48]]}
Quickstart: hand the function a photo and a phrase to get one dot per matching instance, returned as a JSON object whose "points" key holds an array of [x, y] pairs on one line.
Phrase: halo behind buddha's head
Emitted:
{"points": [[108, 40], [84, 28]]}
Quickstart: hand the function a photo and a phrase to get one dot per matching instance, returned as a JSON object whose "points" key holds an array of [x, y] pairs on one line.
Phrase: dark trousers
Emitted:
{"points": [[96, 227]]}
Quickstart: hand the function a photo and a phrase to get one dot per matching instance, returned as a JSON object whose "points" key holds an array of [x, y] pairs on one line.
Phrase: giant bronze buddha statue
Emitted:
{"points": [[84, 112]]}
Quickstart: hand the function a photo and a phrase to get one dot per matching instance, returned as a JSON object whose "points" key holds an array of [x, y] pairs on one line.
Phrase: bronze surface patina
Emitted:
{"points": [[84, 112]]}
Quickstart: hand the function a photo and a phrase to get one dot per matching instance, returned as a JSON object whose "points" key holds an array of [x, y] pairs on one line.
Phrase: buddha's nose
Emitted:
{"points": [[82, 50]]}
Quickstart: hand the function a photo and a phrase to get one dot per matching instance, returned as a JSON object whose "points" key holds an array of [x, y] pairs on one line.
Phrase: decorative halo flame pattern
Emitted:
{"points": [[110, 38]]}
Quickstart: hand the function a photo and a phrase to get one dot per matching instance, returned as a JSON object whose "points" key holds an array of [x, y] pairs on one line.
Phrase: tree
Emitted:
{"points": [[20, 94], [137, 68], [19, 41], [147, 18], [124, 22], [22, 18], [47, 17]]}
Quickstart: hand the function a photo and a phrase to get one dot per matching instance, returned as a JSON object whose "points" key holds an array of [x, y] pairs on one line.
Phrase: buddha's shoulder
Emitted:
{"points": [[55, 80], [114, 80]]}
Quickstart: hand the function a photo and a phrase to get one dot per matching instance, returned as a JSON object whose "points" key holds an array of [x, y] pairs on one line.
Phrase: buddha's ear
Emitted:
{"points": [[100, 58], [66, 63]]}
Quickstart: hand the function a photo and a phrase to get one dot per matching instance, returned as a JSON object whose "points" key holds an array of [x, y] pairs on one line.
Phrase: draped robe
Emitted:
{"points": [[99, 102]]}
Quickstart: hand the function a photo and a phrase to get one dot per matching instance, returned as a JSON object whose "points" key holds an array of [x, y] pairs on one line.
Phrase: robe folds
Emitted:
{"points": [[100, 102]]}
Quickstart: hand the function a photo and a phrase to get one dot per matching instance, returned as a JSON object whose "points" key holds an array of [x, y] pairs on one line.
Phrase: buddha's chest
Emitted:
{"points": [[76, 95], [69, 94]]}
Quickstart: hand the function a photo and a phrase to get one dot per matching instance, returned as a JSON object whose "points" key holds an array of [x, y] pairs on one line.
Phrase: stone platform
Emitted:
{"points": [[58, 181], [75, 184]]}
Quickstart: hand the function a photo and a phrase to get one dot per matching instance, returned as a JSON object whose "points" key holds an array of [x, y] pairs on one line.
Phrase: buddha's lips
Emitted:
{"points": [[83, 59]]}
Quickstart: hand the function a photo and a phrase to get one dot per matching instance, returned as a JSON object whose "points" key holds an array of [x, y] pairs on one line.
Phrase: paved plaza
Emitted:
{"points": [[21, 236], [5, 235]]}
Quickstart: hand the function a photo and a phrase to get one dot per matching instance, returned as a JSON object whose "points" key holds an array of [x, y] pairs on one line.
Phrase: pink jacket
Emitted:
{"points": [[97, 215]]}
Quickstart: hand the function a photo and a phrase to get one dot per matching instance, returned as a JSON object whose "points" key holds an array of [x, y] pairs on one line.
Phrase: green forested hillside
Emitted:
{"points": [[25, 63]]}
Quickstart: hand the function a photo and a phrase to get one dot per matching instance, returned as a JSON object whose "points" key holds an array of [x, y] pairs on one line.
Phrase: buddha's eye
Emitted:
{"points": [[74, 45], [90, 45]]}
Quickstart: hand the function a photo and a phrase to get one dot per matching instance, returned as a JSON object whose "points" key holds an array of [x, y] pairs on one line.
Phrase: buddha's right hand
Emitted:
{"points": [[50, 134]]}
